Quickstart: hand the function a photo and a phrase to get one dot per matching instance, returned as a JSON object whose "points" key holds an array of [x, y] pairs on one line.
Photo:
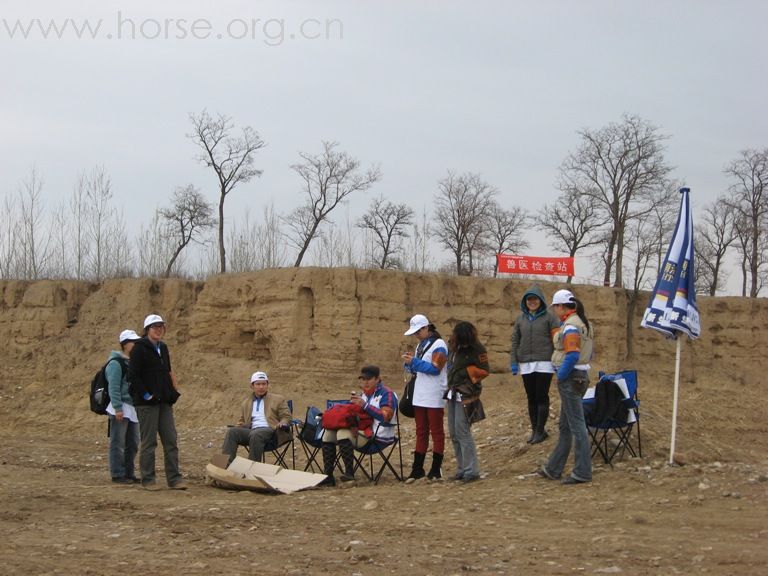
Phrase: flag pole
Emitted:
{"points": [[674, 401]]}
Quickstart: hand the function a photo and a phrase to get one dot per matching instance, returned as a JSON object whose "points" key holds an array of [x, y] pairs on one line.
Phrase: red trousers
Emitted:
{"points": [[429, 421]]}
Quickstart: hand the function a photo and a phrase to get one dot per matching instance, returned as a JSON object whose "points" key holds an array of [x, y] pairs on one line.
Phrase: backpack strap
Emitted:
{"points": [[420, 354], [123, 365]]}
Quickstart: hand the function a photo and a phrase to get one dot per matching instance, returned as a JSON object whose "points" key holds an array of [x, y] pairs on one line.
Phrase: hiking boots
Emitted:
{"points": [[437, 462], [417, 469]]}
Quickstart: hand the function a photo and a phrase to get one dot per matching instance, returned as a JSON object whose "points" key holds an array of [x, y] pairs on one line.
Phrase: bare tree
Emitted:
{"points": [[78, 213], [619, 166], [714, 236], [60, 266], [463, 205], [231, 158], [257, 245], [271, 249], [120, 262], [334, 248], [100, 219], [507, 231], [155, 251], [33, 241], [243, 244], [328, 178], [388, 223], [572, 223], [662, 210], [186, 220], [419, 257], [748, 196], [10, 232], [644, 237]]}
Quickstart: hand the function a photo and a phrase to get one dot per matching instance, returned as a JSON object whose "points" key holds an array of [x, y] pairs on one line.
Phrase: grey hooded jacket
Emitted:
{"points": [[532, 333]]}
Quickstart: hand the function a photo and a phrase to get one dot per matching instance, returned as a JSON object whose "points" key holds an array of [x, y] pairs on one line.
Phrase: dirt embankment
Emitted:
{"points": [[310, 329]]}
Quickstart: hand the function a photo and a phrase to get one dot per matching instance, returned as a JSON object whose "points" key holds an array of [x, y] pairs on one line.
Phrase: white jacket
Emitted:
{"points": [[430, 387]]}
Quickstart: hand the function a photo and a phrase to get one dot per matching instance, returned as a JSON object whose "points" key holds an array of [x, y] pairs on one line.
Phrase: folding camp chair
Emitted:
{"points": [[312, 441], [612, 413], [310, 433], [281, 442], [384, 448]]}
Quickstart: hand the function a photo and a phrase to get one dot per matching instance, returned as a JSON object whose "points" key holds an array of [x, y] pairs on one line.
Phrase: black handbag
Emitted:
{"points": [[406, 401], [474, 411]]}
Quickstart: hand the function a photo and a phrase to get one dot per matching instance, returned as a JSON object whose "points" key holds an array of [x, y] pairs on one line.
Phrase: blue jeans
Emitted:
{"points": [[573, 430], [467, 466], [123, 446]]}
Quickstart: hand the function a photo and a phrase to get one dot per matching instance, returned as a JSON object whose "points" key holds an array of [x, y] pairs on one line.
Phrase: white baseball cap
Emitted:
{"points": [[128, 336], [260, 376], [562, 297], [153, 319], [417, 323]]}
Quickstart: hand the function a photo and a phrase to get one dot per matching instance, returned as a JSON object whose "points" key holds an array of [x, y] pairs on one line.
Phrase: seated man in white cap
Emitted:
{"points": [[263, 415]]}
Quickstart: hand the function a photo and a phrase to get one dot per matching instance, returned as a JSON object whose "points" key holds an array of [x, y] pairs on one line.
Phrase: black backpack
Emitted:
{"points": [[99, 395]]}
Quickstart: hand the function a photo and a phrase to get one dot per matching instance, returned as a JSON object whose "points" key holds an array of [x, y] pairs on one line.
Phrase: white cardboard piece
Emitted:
{"points": [[244, 474]]}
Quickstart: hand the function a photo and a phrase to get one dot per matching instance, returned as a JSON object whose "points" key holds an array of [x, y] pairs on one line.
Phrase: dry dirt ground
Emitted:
{"points": [[61, 515]]}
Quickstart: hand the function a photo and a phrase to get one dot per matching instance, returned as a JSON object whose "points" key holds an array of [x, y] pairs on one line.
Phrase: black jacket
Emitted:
{"points": [[150, 372]]}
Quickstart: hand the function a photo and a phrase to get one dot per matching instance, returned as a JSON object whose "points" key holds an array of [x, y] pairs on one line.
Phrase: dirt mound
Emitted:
{"points": [[311, 329]]}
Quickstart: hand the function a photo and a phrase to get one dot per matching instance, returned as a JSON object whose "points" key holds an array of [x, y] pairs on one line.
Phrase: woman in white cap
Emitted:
{"points": [[573, 351], [428, 363], [123, 421], [153, 388]]}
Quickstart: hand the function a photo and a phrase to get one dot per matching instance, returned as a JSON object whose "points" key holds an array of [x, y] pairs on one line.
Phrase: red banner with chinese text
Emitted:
{"points": [[535, 265]]}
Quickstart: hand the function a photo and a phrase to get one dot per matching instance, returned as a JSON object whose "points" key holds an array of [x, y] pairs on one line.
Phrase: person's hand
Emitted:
{"points": [[283, 426], [119, 415], [356, 399], [408, 357], [514, 368]]}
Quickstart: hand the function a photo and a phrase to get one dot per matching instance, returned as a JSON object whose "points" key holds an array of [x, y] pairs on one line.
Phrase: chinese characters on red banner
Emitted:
{"points": [[535, 265]]}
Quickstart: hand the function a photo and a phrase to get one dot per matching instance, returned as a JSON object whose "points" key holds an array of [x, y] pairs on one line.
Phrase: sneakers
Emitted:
{"points": [[544, 473], [180, 485], [121, 480], [347, 478], [570, 480], [151, 486]]}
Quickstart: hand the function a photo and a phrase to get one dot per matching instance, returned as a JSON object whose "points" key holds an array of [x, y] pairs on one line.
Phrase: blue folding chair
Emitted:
{"points": [[613, 414], [310, 433], [383, 448]]}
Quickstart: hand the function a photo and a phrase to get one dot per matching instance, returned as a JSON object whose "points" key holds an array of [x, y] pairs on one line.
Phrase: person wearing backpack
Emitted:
{"points": [[153, 389], [123, 420]]}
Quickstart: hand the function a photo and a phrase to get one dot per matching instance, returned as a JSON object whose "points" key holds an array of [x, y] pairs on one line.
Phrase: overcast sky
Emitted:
{"points": [[418, 87]]}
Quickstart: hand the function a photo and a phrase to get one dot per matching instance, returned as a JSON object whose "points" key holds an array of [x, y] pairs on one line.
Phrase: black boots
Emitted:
{"points": [[347, 452], [532, 416], [542, 413], [348, 457], [329, 463], [417, 470], [437, 462]]}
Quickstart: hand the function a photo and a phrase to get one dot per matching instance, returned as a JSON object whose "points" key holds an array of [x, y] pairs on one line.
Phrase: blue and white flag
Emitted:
{"points": [[673, 302]]}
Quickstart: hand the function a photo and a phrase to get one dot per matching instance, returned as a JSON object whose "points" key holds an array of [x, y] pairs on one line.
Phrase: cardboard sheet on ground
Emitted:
{"points": [[244, 474]]}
